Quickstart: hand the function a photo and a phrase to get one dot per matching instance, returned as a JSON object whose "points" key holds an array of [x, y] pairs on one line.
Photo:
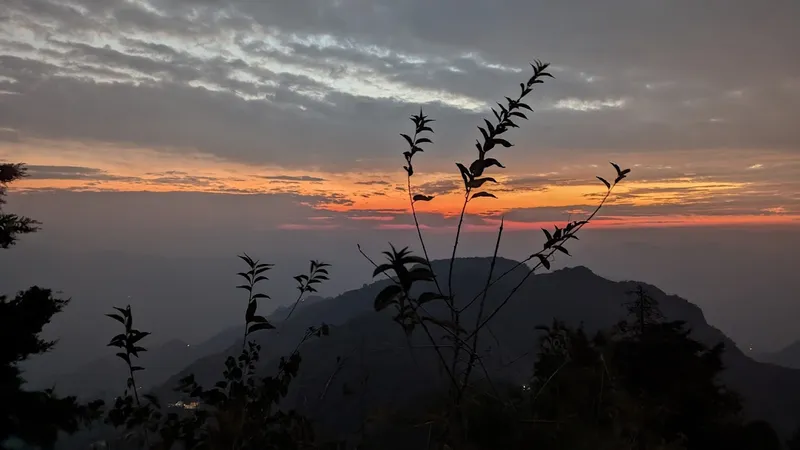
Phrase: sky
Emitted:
{"points": [[202, 127]]}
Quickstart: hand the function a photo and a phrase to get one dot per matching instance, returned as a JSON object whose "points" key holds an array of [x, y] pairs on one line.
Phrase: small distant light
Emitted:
{"points": [[187, 345]]}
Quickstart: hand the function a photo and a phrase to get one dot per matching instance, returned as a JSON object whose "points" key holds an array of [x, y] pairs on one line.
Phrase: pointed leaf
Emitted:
{"points": [[124, 357], [484, 133], [251, 311], [387, 296], [117, 317], [465, 173], [423, 198], [423, 140], [414, 259], [492, 162], [544, 261], [408, 139], [502, 142], [380, 269], [478, 182], [260, 326], [616, 167], [608, 185], [482, 194], [420, 274], [489, 126]]}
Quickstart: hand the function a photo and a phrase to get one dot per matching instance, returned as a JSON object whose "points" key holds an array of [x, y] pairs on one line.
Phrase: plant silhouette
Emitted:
{"points": [[33, 417], [642, 384]]}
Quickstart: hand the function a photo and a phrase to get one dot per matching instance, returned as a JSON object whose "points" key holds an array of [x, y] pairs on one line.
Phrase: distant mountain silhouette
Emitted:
{"points": [[367, 345], [105, 377], [789, 356]]}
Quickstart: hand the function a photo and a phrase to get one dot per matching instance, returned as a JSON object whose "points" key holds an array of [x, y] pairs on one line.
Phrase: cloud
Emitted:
{"points": [[311, 82], [37, 172], [302, 178]]}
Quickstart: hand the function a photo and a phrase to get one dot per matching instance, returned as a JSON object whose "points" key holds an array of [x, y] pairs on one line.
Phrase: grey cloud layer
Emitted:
{"points": [[319, 82]]}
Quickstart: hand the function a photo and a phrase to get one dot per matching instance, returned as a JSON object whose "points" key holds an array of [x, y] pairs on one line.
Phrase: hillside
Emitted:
{"points": [[788, 356], [368, 345]]}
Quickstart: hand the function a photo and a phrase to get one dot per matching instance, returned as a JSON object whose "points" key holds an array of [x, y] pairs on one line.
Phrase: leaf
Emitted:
{"points": [[478, 182], [136, 368], [408, 139], [247, 259], [625, 172], [465, 173], [490, 127], [423, 140], [117, 317], [518, 114], [523, 105], [139, 336], [260, 295], [423, 198], [502, 142], [426, 297], [616, 167], [380, 269], [386, 296], [124, 357], [484, 133], [562, 250], [547, 233], [482, 194], [608, 185], [251, 311], [260, 326], [544, 261], [421, 274], [415, 259], [489, 162]]}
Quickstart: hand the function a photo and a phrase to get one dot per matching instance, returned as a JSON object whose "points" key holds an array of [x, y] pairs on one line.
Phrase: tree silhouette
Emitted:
{"points": [[34, 417], [12, 225], [641, 385]]}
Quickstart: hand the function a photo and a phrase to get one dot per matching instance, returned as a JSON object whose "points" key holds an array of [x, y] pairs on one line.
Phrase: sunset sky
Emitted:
{"points": [[308, 98], [158, 121]]}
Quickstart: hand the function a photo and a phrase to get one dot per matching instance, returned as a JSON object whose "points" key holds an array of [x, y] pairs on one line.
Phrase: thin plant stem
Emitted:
{"points": [[474, 346]]}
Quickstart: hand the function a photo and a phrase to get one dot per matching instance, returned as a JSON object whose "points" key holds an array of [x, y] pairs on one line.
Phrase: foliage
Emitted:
{"points": [[412, 311], [35, 417], [643, 384], [12, 225], [242, 410], [635, 387]]}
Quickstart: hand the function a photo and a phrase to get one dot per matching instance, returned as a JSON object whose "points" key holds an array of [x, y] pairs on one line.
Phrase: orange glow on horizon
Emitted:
{"points": [[373, 197]]}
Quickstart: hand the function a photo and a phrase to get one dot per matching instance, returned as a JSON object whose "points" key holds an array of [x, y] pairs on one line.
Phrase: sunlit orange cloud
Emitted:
{"points": [[378, 195], [650, 222]]}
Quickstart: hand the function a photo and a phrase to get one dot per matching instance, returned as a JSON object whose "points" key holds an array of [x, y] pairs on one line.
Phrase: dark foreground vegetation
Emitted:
{"points": [[638, 380]]}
